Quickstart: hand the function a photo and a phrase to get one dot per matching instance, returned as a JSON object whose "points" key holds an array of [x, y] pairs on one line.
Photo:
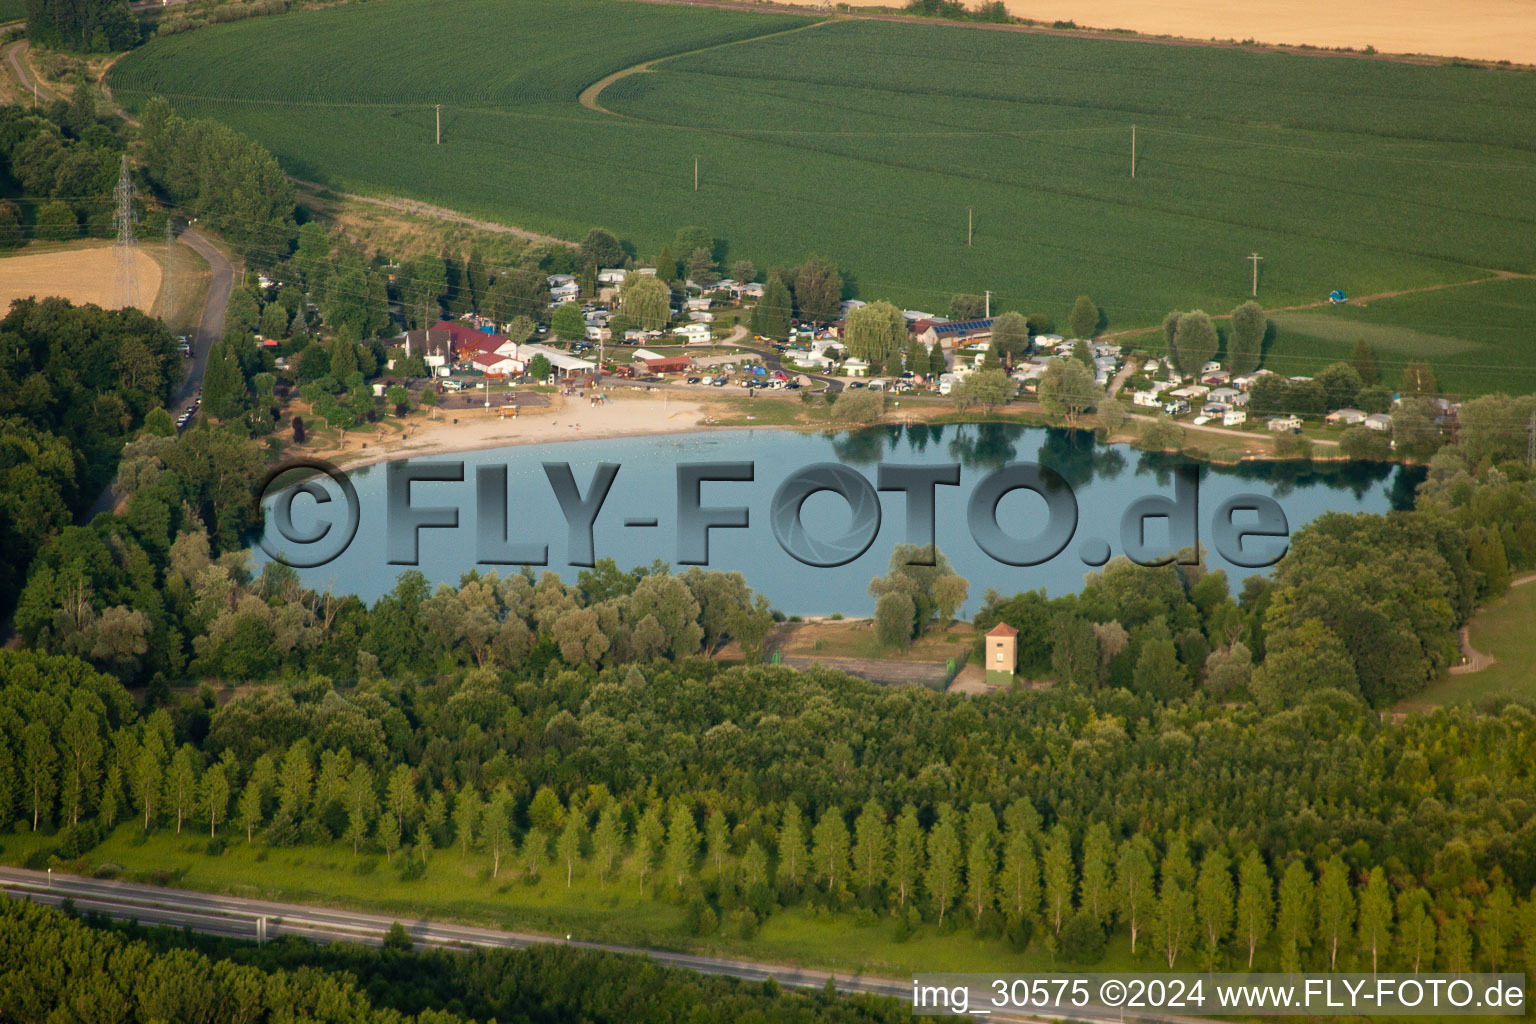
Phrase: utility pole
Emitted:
{"points": [[1255, 258], [970, 223], [695, 172], [439, 124], [989, 304], [1530, 441], [1133, 152], [125, 291]]}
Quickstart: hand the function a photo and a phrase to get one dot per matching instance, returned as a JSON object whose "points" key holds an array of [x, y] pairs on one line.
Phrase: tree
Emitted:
{"points": [[389, 835], [1134, 894], [895, 615], [1194, 342], [495, 829], [1175, 918], [875, 332], [1496, 926], [1341, 383], [607, 840], [181, 783], [1158, 673], [829, 849], [517, 293], [1214, 903], [539, 367], [650, 835], [942, 878], [990, 388], [1245, 343], [1010, 336], [467, 811], [1084, 318], [148, 775], [791, 848], [568, 845], [701, 267], [1365, 363], [646, 301], [39, 761], [1019, 885], [819, 290], [871, 842], [425, 284], [1375, 927], [601, 249], [744, 271], [1067, 389], [56, 222], [1416, 928], [1094, 888], [967, 307], [1056, 876], [906, 854], [10, 225], [568, 323], [1294, 921], [1255, 904], [666, 265], [682, 844], [717, 840], [80, 748], [770, 318]]}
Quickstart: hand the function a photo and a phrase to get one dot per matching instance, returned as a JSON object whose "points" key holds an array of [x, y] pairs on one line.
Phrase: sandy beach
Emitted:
{"points": [[566, 419], [1475, 29]]}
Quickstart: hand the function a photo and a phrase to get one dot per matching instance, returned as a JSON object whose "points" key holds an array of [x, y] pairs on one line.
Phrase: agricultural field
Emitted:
{"points": [[873, 142], [1477, 338], [80, 274]]}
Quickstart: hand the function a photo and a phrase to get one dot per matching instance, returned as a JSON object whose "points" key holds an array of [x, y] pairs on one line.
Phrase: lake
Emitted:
{"points": [[1103, 478]]}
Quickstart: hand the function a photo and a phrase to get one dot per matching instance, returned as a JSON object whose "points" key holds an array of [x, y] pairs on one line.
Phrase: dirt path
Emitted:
{"points": [[588, 97], [15, 56], [1475, 660]]}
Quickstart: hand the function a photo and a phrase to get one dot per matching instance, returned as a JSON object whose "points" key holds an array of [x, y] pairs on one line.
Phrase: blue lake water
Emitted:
{"points": [[1104, 479]]}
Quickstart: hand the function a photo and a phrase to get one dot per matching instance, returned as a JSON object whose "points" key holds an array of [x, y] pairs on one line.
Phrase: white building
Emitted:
{"points": [[1378, 421], [694, 333]]}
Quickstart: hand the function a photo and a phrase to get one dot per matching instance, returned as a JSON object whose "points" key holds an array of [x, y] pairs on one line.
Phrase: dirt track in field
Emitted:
{"points": [[1475, 29], [79, 275]]}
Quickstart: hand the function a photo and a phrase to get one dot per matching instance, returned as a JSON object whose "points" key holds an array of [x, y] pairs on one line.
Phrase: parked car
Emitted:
{"points": [[718, 382], [854, 385], [693, 380]]}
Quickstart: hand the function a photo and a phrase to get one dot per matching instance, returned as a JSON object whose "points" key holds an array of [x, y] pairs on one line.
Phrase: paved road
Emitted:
{"points": [[238, 918], [210, 329]]}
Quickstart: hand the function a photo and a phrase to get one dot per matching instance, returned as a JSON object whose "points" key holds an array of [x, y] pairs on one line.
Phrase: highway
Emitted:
{"points": [[240, 918]]}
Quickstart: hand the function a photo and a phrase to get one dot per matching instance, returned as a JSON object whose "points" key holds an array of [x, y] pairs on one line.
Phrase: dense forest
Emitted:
{"points": [[50, 960], [85, 26]]}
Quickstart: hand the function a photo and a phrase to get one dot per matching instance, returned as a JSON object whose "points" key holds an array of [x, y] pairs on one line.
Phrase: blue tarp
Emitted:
{"points": [[1336, 296], [758, 371]]}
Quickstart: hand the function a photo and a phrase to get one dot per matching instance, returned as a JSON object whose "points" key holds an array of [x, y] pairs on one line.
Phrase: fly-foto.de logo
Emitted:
{"points": [[1247, 530]]}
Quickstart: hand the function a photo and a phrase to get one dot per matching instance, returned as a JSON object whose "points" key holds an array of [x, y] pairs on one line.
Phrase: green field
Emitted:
{"points": [[1504, 631], [870, 141]]}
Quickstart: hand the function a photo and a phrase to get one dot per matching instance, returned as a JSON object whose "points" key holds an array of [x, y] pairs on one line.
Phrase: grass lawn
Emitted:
{"points": [[871, 142], [461, 889], [1504, 631]]}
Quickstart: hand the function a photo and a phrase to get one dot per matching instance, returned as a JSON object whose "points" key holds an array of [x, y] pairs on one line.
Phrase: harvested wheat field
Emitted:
{"points": [[79, 275], [1475, 29]]}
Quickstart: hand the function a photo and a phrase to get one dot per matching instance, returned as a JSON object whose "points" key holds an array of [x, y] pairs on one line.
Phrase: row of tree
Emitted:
{"points": [[49, 960]]}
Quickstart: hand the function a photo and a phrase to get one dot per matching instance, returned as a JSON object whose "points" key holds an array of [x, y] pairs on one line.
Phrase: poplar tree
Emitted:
{"points": [[943, 875], [1175, 917], [1496, 926], [81, 746], [181, 783], [148, 775], [215, 797], [568, 846], [1020, 881], [650, 834], [39, 765], [791, 848], [906, 854], [1057, 876], [467, 809], [362, 805], [1335, 908], [1255, 902], [1214, 903], [1094, 886], [1134, 902], [717, 840], [495, 828], [682, 843], [607, 839], [830, 849], [1415, 928], [871, 853], [1375, 928], [1294, 919]]}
